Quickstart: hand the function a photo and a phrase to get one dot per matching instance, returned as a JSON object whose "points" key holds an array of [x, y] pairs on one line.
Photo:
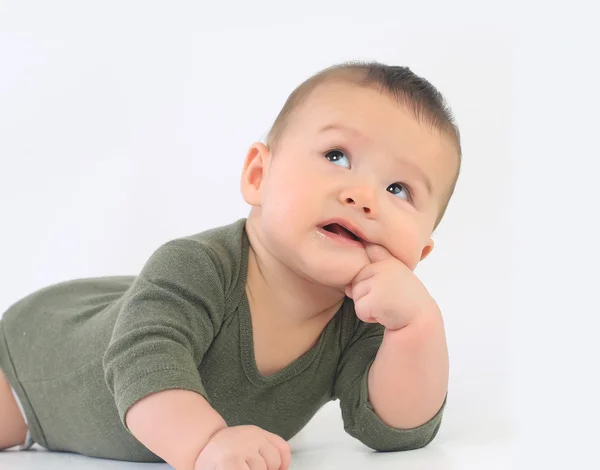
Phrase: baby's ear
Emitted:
{"points": [[427, 249], [254, 172]]}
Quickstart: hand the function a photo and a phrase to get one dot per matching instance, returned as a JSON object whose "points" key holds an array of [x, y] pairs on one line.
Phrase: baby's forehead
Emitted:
{"points": [[359, 107], [369, 114]]}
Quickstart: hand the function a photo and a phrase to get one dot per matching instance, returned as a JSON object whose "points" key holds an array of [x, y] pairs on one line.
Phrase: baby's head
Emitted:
{"points": [[371, 146]]}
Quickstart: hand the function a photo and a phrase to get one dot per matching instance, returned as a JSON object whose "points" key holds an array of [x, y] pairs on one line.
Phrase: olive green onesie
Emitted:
{"points": [[80, 353]]}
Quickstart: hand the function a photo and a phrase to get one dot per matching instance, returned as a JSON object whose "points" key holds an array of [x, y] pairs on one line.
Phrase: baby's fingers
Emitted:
{"points": [[284, 450], [360, 290], [257, 462], [231, 464], [365, 310], [271, 455]]}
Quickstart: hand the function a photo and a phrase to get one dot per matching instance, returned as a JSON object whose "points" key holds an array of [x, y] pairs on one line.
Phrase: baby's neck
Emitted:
{"points": [[275, 289]]}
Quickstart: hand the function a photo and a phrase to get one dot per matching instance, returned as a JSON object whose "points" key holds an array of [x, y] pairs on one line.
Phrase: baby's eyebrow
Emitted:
{"points": [[421, 175], [342, 127]]}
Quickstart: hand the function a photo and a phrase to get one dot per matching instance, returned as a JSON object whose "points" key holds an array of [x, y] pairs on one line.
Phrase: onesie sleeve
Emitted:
{"points": [[351, 387], [167, 321]]}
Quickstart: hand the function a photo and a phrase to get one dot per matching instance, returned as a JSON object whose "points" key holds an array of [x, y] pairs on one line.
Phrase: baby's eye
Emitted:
{"points": [[335, 156], [399, 188]]}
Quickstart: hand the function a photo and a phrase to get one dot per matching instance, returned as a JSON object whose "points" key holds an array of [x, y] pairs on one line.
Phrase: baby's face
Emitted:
{"points": [[353, 156]]}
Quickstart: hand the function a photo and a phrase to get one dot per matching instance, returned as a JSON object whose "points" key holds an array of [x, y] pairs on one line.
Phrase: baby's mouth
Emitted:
{"points": [[341, 230]]}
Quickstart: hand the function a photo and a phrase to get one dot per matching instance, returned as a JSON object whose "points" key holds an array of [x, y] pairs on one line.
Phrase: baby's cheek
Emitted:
{"points": [[407, 249], [290, 193]]}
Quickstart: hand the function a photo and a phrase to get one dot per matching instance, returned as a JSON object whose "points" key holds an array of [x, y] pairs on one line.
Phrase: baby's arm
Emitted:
{"points": [[409, 377], [167, 321], [174, 424], [186, 432], [352, 388]]}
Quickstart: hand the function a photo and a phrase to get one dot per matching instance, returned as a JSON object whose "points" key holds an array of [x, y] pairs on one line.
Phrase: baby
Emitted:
{"points": [[230, 340]]}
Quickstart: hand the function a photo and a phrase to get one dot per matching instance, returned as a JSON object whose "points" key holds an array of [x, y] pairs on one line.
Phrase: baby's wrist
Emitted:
{"points": [[212, 434]]}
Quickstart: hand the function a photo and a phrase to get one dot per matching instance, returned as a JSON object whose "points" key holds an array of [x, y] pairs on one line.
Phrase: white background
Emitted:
{"points": [[125, 124]]}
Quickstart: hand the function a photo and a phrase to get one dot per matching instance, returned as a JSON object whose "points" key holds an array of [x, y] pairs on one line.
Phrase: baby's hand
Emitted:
{"points": [[386, 291], [244, 448]]}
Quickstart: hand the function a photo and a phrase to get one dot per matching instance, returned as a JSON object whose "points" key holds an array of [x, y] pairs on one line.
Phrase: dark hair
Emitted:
{"points": [[410, 90]]}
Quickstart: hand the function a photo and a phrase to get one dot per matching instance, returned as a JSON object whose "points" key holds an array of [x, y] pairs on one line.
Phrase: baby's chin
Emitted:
{"points": [[333, 273]]}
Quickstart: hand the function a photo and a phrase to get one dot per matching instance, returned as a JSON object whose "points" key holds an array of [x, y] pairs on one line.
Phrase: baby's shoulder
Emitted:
{"points": [[216, 257], [226, 242]]}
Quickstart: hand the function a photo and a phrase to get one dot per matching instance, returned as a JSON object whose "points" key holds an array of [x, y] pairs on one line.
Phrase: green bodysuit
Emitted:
{"points": [[80, 353]]}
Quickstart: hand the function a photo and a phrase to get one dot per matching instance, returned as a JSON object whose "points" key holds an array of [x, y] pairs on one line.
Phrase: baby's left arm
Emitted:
{"points": [[353, 388], [405, 385], [408, 380]]}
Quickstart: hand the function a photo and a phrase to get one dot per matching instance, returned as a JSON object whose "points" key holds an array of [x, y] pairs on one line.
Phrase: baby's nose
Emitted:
{"points": [[361, 198]]}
